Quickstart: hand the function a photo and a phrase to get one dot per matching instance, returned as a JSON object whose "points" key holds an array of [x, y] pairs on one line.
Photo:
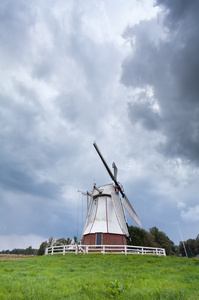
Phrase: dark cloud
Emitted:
{"points": [[169, 63], [143, 113], [27, 213], [179, 11], [14, 178]]}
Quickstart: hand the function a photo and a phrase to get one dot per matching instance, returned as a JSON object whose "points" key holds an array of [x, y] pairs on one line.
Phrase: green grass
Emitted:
{"points": [[97, 276]]}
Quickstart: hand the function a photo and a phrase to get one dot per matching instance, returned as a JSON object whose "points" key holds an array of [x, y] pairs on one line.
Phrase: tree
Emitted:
{"points": [[61, 241], [190, 244], [68, 241], [136, 236], [42, 248], [28, 251], [51, 241], [192, 247], [162, 240], [174, 248], [140, 237], [149, 240], [75, 239], [181, 249]]}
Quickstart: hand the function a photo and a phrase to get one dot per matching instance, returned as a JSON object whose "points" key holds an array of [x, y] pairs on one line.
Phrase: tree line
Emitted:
{"points": [[190, 248], [27, 251], [41, 250], [158, 239]]}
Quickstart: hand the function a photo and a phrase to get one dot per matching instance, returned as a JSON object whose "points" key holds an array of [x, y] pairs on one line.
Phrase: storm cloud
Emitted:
{"points": [[167, 61]]}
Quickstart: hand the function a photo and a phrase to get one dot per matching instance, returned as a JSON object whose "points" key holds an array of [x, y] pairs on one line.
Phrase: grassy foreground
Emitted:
{"points": [[97, 276]]}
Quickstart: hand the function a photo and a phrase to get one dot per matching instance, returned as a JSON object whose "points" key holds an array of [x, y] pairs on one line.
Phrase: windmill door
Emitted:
{"points": [[99, 238]]}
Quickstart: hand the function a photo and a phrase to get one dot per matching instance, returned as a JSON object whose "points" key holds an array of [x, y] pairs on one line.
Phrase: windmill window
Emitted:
{"points": [[99, 238]]}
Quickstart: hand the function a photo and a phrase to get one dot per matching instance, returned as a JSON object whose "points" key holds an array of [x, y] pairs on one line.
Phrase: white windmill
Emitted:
{"points": [[105, 222]]}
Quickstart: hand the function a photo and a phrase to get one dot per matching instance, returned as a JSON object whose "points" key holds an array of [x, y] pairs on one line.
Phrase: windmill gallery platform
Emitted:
{"points": [[105, 229]]}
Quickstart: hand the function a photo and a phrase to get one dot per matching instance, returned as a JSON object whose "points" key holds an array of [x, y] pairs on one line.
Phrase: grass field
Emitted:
{"points": [[97, 276]]}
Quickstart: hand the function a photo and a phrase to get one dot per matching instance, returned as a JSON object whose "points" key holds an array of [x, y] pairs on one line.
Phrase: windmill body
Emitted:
{"points": [[105, 222]]}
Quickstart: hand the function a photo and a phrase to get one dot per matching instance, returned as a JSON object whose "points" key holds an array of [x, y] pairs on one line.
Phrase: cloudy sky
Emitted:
{"points": [[122, 73]]}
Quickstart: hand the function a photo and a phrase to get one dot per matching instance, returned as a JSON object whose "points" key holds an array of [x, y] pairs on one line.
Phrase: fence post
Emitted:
{"points": [[51, 250], [125, 250], [64, 250]]}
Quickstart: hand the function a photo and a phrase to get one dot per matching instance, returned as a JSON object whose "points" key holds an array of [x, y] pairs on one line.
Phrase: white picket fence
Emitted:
{"points": [[114, 249]]}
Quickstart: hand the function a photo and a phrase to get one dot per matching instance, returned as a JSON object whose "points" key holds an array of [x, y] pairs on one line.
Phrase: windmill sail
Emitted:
{"points": [[120, 213], [126, 203], [104, 162], [129, 208], [89, 211]]}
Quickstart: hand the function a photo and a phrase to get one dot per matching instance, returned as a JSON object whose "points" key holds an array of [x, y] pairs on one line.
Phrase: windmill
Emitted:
{"points": [[105, 222]]}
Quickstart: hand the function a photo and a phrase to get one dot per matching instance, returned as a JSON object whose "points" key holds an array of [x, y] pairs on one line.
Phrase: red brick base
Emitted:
{"points": [[107, 239]]}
